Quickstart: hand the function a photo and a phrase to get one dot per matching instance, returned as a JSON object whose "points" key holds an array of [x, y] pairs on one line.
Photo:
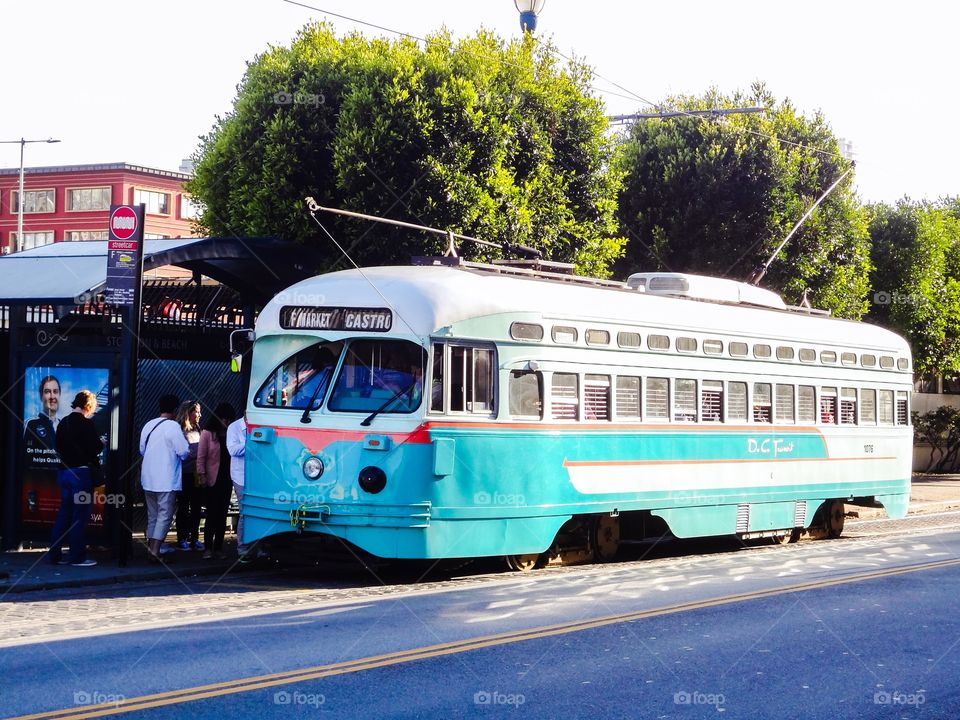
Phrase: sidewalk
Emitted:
{"points": [[25, 570]]}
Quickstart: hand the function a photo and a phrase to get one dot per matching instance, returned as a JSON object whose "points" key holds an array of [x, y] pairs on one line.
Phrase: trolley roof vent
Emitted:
{"points": [[701, 287]]}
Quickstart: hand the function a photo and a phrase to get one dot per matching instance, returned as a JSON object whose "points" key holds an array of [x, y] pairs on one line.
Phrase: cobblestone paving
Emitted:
{"points": [[52, 616]]}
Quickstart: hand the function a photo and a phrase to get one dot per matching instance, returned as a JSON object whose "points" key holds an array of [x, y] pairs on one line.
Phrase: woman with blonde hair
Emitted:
{"points": [[191, 494]]}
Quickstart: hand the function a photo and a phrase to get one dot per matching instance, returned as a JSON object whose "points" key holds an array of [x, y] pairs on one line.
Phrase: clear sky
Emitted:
{"points": [[138, 82]]}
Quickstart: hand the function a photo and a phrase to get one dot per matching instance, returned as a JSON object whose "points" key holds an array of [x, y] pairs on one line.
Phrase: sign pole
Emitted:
{"points": [[125, 250]]}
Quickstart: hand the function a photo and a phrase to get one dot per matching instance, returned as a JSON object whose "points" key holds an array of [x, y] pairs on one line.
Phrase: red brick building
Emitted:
{"points": [[72, 202]]}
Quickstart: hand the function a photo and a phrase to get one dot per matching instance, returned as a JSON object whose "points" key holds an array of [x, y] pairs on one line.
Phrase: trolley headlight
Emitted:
{"points": [[313, 468], [372, 479]]}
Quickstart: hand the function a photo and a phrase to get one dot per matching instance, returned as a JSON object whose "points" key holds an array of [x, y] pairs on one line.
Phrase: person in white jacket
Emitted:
{"points": [[236, 446], [163, 448]]}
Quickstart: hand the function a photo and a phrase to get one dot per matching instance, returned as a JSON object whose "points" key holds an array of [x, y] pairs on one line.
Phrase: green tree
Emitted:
{"points": [[916, 254], [717, 196], [486, 138]]}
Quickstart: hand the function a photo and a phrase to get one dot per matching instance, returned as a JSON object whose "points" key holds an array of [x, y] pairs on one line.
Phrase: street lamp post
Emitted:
{"points": [[20, 192], [528, 9]]}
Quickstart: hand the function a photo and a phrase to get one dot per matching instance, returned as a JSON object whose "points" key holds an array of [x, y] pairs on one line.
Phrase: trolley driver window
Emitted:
{"points": [[301, 379], [382, 375], [463, 378]]}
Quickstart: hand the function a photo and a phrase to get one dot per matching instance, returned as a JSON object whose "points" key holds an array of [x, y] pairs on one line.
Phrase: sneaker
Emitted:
{"points": [[198, 545], [167, 549], [184, 544], [245, 558], [208, 555], [84, 563]]}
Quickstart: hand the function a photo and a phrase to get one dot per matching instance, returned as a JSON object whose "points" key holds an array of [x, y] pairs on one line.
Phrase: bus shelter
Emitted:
{"points": [[57, 337]]}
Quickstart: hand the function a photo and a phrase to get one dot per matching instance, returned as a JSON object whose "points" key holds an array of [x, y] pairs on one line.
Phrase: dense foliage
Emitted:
{"points": [[718, 196], [491, 139]]}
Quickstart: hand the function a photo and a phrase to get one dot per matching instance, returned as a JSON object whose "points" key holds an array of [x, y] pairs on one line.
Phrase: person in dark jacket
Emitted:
{"points": [[79, 447]]}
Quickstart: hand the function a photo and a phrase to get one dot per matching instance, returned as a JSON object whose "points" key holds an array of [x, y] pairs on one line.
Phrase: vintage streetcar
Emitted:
{"points": [[440, 411]]}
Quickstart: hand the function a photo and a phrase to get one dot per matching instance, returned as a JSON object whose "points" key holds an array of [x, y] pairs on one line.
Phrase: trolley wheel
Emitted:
{"points": [[790, 537], [833, 517], [606, 537], [523, 563]]}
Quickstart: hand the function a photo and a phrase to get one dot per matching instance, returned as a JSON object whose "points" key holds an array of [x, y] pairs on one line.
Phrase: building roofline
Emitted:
{"points": [[97, 167]]}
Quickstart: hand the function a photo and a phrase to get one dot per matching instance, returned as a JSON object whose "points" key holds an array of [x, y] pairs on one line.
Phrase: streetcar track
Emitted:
{"points": [[260, 682]]}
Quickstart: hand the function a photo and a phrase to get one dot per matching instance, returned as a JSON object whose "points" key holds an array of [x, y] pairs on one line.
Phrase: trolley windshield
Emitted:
{"points": [[381, 376], [301, 381]]}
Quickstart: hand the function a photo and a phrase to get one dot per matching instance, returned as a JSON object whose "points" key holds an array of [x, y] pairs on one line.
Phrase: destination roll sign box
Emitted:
{"points": [[296, 317]]}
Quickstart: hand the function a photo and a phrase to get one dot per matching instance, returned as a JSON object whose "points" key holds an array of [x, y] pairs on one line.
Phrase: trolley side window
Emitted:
{"points": [[903, 408], [868, 407], [685, 400], [596, 397], [828, 405], [436, 380], [628, 397], [737, 401], [382, 375], [711, 400], [886, 407], [565, 404], [762, 403], [785, 403], [807, 405], [301, 379], [526, 394], [658, 399], [848, 406], [471, 380]]}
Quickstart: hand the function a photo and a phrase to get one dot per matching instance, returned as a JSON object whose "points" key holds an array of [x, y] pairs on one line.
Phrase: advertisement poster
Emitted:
{"points": [[48, 392]]}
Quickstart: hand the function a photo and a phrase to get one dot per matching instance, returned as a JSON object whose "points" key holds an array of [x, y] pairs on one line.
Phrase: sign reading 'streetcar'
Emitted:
{"points": [[294, 317]]}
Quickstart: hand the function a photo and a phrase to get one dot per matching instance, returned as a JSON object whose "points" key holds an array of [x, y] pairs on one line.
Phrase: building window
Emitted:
{"points": [[658, 398], [628, 397], [34, 201], [526, 394], [83, 199], [565, 404], [189, 210], [155, 236], [158, 203], [33, 239], [596, 397], [762, 403], [76, 235], [737, 400], [711, 400], [685, 400]]}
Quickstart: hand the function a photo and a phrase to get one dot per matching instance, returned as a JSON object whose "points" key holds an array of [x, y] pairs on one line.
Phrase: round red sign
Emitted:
{"points": [[123, 223]]}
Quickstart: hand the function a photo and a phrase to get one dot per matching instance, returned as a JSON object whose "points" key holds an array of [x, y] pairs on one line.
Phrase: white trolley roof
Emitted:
{"points": [[427, 298]]}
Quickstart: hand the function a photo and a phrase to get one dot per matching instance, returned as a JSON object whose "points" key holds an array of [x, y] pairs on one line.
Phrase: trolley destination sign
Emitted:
{"points": [[298, 317]]}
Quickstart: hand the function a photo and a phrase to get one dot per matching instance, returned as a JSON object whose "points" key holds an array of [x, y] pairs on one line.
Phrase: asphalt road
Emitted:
{"points": [[864, 627]]}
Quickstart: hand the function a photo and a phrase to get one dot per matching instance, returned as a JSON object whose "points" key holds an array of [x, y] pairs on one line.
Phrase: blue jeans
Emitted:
{"points": [[76, 502]]}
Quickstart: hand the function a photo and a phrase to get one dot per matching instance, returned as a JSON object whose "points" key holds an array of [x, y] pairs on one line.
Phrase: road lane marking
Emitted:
{"points": [[289, 677]]}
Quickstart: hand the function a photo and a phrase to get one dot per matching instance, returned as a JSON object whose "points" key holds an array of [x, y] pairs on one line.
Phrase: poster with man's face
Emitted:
{"points": [[47, 394]]}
